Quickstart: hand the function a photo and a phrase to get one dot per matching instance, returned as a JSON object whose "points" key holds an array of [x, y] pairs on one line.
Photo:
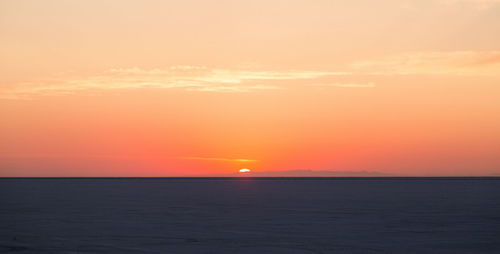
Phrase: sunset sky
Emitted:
{"points": [[192, 87]]}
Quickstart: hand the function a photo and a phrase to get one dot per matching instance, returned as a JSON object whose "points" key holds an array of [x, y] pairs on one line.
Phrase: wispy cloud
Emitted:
{"points": [[218, 159], [477, 4], [472, 63], [204, 79], [190, 78], [349, 85], [232, 89]]}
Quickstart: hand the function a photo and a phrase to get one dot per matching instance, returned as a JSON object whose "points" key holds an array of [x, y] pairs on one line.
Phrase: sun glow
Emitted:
{"points": [[244, 170]]}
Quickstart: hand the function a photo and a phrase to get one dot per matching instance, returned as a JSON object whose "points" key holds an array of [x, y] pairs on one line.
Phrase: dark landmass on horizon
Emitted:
{"points": [[331, 173], [308, 173]]}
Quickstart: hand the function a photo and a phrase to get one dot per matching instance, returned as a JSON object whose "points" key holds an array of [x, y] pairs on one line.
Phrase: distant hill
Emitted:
{"points": [[308, 173]]}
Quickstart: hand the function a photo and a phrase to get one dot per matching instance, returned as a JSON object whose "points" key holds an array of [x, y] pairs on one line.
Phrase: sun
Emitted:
{"points": [[245, 170]]}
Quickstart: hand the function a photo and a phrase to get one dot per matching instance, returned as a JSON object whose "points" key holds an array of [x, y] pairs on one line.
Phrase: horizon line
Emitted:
{"points": [[241, 177]]}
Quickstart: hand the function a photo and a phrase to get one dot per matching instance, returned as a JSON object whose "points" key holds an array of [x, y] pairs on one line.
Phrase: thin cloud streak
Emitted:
{"points": [[477, 4], [109, 156], [204, 79], [218, 159], [349, 85], [190, 78], [459, 63]]}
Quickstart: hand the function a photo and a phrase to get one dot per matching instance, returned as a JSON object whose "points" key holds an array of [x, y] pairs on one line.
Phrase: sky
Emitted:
{"points": [[184, 88]]}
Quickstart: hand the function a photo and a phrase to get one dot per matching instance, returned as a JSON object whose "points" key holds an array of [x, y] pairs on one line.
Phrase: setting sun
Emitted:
{"points": [[244, 170]]}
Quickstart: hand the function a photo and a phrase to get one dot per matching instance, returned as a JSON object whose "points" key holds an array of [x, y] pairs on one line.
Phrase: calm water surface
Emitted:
{"points": [[348, 215]]}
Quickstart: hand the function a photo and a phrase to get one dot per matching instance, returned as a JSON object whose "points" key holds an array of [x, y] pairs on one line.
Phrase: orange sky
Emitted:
{"points": [[178, 88]]}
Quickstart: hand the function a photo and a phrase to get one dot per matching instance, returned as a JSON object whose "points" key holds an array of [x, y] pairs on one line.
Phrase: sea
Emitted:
{"points": [[250, 215]]}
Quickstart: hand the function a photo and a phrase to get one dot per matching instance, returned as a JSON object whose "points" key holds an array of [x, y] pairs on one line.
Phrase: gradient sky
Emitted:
{"points": [[174, 88]]}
